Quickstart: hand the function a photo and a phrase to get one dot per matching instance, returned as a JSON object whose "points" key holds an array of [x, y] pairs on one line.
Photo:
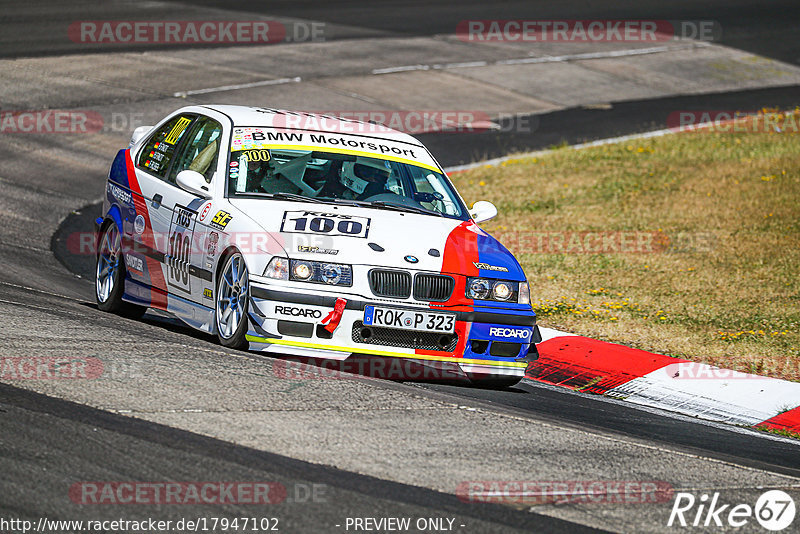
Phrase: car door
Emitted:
{"points": [[153, 216], [186, 271]]}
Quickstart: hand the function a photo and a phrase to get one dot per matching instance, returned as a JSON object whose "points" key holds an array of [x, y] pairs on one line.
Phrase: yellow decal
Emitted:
{"points": [[221, 219], [177, 130], [257, 155]]}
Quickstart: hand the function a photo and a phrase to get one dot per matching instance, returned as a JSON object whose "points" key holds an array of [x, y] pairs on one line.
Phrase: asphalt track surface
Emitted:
{"points": [[106, 446], [530, 399], [765, 28], [49, 443]]}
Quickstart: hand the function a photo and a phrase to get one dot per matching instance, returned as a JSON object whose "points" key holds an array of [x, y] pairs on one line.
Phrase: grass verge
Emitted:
{"points": [[779, 431], [686, 244]]}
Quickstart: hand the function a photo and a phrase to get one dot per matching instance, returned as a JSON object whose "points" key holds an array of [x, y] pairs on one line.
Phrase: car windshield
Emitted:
{"points": [[341, 178]]}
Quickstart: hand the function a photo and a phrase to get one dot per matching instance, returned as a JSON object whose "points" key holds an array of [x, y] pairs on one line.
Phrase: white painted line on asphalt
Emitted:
{"points": [[461, 65], [537, 153], [594, 55], [279, 81], [543, 59], [405, 68], [599, 142]]}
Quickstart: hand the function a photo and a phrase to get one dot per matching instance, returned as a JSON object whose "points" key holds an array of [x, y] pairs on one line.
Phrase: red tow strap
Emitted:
{"points": [[333, 318]]}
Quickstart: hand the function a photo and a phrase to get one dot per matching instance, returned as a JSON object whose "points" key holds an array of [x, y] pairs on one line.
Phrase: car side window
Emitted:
{"points": [[159, 150], [430, 193], [395, 182], [200, 151]]}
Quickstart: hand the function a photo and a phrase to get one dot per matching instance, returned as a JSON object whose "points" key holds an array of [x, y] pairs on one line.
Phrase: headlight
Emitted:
{"points": [[278, 269], [337, 274], [499, 290], [331, 273], [478, 288], [502, 291], [302, 270]]}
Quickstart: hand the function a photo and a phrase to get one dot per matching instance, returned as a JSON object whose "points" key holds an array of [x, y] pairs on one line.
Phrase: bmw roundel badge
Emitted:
{"points": [[411, 259]]}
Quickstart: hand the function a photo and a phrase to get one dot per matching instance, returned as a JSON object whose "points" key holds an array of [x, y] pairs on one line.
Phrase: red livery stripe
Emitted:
{"points": [[460, 252], [158, 286]]}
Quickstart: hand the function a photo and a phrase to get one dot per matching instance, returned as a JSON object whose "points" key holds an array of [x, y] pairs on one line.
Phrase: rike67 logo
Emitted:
{"points": [[774, 510]]}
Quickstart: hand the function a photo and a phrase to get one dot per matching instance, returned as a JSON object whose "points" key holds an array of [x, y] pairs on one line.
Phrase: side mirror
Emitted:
{"points": [[483, 210], [138, 133], [195, 183]]}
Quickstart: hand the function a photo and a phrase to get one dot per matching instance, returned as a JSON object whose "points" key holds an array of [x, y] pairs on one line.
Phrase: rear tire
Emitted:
{"points": [[110, 276], [232, 299]]}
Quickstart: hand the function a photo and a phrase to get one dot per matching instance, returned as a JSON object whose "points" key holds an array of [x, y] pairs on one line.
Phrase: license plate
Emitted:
{"points": [[409, 319]]}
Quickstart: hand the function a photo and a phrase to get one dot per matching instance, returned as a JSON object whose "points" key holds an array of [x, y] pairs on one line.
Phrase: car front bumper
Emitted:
{"points": [[290, 322]]}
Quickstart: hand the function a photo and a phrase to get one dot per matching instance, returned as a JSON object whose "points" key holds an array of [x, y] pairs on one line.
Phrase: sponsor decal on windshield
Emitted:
{"points": [[260, 138]]}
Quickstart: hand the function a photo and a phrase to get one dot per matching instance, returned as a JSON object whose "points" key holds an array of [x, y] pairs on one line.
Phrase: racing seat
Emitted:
{"points": [[202, 162]]}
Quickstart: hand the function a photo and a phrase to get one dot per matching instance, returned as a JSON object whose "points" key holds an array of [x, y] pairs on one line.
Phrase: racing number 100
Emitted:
{"points": [[179, 246], [324, 225], [329, 224]]}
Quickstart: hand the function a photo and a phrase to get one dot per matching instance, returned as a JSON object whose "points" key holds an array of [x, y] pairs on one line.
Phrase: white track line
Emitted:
{"points": [[279, 81], [599, 142], [458, 65], [544, 59]]}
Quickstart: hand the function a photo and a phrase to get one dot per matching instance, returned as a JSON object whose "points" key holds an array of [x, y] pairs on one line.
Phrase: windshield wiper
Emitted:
{"points": [[291, 196], [346, 202], [342, 201], [400, 207], [288, 196]]}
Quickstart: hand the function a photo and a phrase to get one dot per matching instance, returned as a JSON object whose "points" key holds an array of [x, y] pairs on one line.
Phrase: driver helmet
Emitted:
{"points": [[357, 175]]}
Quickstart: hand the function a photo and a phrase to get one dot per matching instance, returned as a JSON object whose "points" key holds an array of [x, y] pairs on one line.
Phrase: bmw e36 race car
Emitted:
{"points": [[311, 236]]}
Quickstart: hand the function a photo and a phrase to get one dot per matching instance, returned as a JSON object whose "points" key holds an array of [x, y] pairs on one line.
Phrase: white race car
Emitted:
{"points": [[311, 236]]}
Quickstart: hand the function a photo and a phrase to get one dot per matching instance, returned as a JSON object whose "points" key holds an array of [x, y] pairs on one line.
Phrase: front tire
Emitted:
{"points": [[232, 299], [110, 276]]}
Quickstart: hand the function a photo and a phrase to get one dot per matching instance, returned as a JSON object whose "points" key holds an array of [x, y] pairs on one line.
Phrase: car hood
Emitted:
{"points": [[387, 238]]}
